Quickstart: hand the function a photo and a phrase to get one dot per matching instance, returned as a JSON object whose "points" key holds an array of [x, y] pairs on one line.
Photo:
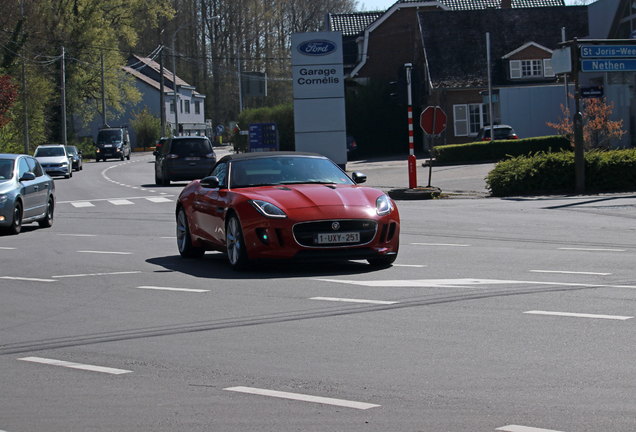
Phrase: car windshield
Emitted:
{"points": [[6, 169], [109, 137], [49, 152], [285, 170], [71, 150]]}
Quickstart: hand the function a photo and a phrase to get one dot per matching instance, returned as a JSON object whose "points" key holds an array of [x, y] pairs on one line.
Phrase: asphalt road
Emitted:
{"points": [[499, 314]]}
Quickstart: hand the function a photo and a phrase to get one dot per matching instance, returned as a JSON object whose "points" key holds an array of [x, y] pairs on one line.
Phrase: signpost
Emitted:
{"points": [[263, 137], [433, 122]]}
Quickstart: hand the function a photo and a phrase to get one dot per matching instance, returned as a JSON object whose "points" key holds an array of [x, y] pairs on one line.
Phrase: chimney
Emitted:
{"points": [[506, 4]]}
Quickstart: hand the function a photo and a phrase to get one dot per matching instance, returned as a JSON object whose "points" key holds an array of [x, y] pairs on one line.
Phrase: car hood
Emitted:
{"points": [[52, 159], [315, 195], [6, 186]]}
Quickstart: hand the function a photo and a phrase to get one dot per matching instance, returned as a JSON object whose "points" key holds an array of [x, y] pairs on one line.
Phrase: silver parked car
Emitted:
{"points": [[55, 160], [27, 193]]}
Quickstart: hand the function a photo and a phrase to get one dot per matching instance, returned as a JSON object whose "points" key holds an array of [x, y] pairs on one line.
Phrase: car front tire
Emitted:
{"points": [[16, 223], [184, 240], [47, 222], [235, 244]]}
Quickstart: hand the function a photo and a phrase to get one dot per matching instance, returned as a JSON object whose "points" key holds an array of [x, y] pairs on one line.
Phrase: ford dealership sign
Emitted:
{"points": [[318, 47]]}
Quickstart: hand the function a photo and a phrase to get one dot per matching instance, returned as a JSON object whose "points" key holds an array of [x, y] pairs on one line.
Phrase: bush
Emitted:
{"points": [[483, 151], [605, 171]]}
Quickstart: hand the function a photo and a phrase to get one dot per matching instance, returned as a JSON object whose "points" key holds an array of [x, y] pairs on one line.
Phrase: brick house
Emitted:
{"points": [[446, 41]]}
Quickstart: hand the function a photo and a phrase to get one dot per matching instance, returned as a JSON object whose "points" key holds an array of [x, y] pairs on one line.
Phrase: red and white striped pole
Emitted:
{"points": [[412, 159]]}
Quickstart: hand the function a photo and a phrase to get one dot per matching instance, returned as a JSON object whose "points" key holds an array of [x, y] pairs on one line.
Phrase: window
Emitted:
{"points": [[529, 69], [197, 107], [470, 118], [172, 106], [187, 106]]}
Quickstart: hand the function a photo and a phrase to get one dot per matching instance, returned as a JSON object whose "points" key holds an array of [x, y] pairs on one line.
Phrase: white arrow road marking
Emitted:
{"points": [[579, 315], [462, 283], [72, 365], [303, 398]]}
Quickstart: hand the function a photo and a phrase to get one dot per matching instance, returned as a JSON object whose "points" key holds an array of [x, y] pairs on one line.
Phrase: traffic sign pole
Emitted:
{"points": [[412, 159]]}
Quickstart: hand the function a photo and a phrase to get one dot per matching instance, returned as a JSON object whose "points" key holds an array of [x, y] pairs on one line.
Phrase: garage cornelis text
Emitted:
{"points": [[318, 76]]}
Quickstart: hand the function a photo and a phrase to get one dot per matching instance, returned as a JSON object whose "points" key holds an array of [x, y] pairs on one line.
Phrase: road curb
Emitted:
{"points": [[418, 193]]}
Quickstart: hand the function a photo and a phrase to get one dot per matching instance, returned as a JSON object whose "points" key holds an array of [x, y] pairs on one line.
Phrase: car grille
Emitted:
{"points": [[304, 233]]}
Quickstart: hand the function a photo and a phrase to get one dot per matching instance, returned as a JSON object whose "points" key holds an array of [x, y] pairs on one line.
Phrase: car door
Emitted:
{"points": [[43, 184], [210, 205], [29, 190]]}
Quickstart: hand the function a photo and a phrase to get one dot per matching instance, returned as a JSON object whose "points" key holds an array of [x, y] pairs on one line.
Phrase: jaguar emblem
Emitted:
{"points": [[335, 226]]}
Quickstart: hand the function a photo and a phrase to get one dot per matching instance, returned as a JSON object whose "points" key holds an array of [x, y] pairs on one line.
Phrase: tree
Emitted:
{"points": [[147, 128], [599, 132], [8, 96]]}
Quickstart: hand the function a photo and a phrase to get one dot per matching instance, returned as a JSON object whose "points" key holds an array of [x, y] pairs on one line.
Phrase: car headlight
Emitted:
{"points": [[268, 209], [3, 199], [383, 205]]}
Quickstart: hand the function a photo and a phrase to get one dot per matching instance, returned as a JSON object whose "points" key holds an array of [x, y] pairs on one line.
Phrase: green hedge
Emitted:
{"points": [[605, 171], [482, 151]]}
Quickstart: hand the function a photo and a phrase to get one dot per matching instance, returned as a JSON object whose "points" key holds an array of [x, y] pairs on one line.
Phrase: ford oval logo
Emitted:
{"points": [[317, 47]]}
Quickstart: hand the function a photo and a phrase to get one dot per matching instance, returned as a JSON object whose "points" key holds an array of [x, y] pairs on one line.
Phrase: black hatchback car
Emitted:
{"points": [[184, 158]]}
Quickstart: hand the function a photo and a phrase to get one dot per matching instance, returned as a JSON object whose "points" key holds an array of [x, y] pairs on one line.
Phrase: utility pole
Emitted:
{"points": [[24, 92], [63, 88]]}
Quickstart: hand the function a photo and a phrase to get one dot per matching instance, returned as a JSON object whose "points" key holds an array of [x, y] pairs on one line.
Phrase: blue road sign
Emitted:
{"points": [[625, 65], [608, 51]]}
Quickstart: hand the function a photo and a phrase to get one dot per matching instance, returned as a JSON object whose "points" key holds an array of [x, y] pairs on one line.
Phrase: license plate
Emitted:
{"points": [[192, 158], [108, 145], [331, 238]]}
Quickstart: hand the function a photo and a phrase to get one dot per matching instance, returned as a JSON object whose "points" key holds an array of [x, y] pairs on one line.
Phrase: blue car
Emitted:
{"points": [[27, 193]]}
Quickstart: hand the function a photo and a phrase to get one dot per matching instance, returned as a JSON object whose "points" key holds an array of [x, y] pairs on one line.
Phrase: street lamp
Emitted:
{"points": [[174, 76], [238, 56]]}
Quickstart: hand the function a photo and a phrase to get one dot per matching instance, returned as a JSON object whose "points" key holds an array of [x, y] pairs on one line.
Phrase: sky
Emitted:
{"points": [[373, 5]]}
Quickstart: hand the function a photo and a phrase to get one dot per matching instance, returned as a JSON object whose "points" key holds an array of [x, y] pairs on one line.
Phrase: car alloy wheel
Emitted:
{"points": [[184, 240], [235, 244]]}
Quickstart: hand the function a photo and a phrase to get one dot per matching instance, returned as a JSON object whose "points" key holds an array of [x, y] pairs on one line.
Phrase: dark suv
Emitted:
{"points": [[112, 143], [183, 158], [502, 132]]}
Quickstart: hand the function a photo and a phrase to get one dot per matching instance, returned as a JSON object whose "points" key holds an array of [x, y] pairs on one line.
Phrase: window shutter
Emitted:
{"points": [[548, 72], [460, 120], [515, 69]]}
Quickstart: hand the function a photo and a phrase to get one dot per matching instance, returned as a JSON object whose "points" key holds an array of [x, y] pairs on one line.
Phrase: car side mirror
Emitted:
{"points": [[155, 153], [27, 176], [210, 182], [358, 177]]}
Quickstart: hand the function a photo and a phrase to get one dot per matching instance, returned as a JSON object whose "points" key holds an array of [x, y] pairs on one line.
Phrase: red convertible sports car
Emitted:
{"points": [[286, 205]]}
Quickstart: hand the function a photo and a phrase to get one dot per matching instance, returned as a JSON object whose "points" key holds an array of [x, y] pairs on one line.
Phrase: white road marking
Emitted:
{"points": [[120, 202], [106, 252], [348, 300], [570, 272], [78, 235], [89, 202], [462, 283], [173, 289], [97, 274], [303, 397], [7, 248], [410, 265], [158, 199], [441, 244], [517, 428], [27, 279], [171, 238], [82, 204], [72, 365], [580, 315], [593, 249]]}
